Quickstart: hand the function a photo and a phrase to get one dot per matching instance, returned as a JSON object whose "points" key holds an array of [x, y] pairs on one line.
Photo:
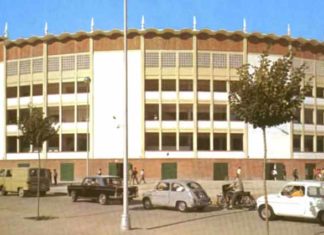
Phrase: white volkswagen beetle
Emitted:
{"points": [[304, 199]]}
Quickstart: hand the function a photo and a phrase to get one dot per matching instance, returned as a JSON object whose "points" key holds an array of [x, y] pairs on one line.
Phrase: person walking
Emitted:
{"points": [[134, 176], [238, 172], [142, 176], [55, 176], [295, 174], [274, 174]]}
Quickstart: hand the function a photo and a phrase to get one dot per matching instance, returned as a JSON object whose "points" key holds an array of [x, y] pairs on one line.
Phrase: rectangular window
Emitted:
{"points": [[234, 117], [169, 141], [24, 114], [320, 144], [320, 92], [185, 85], [12, 68], [24, 91], [82, 142], [219, 86], [203, 85], [308, 143], [68, 63], [203, 142], [53, 89], [37, 89], [236, 142], [152, 59], [53, 113], [82, 113], [185, 59], [168, 59], [297, 118], [220, 112], [37, 65], [151, 141], [185, 141], [24, 67], [203, 112], [296, 143], [320, 116], [83, 87], [220, 141], [203, 60], [186, 112], [168, 85], [83, 61], [68, 114], [151, 85], [11, 116], [151, 112], [11, 144], [11, 92], [68, 88], [24, 146], [168, 112], [67, 142], [219, 61], [309, 93], [235, 61], [233, 85], [308, 116], [53, 144], [53, 64]]}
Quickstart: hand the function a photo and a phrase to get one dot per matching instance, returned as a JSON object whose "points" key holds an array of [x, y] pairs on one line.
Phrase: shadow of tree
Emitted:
{"points": [[41, 218]]}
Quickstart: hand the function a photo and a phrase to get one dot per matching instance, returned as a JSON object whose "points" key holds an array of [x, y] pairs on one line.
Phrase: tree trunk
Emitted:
{"points": [[265, 177]]}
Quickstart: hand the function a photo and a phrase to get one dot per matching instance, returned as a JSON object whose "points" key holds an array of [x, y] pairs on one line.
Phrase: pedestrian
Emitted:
{"points": [[55, 176], [142, 176], [238, 172], [99, 172], [274, 174], [284, 173], [295, 174], [134, 176], [130, 174]]}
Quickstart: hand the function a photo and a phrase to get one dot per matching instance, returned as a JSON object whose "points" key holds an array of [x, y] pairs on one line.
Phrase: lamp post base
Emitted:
{"points": [[125, 222]]}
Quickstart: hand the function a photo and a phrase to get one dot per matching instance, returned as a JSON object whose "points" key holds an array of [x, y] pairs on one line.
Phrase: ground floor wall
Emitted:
{"points": [[207, 169]]}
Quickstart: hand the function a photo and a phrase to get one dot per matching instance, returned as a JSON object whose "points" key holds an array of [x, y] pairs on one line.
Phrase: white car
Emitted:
{"points": [[304, 199]]}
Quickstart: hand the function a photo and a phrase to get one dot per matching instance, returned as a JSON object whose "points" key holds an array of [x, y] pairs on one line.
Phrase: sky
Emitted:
{"points": [[27, 18]]}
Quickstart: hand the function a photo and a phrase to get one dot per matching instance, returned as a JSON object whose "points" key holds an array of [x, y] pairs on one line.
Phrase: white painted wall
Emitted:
{"points": [[278, 138], [109, 100], [2, 112]]}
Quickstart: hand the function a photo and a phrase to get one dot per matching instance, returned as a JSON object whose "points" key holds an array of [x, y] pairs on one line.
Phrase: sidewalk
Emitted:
{"points": [[212, 187]]}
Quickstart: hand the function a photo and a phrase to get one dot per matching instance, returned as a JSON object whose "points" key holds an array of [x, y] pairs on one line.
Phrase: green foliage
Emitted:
{"points": [[269, 94], [35, 128]]}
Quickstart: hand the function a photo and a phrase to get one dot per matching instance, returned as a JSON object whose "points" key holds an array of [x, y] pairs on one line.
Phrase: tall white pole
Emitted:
{"points": [[125, 218]]}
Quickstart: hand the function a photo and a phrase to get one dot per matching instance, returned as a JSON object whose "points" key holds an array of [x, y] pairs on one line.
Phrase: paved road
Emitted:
{"points": [[86, 218]]}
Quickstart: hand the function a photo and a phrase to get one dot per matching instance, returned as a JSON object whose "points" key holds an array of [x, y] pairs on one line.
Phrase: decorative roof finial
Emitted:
{"points": [[5, 32], [142, 23], [46, 28], [92, 25], [288, 30], [244, 25], [194, 23]]}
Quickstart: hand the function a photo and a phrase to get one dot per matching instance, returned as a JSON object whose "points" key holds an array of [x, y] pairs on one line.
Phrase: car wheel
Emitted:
{"points": [[182, 206], [74, 196], [263, 213], [3, 191], [21, 192], [147, 203], [320, 217], [102, 199]]}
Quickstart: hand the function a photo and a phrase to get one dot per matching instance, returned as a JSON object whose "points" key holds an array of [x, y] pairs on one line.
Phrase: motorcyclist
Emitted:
{"points": [[234, 190]]}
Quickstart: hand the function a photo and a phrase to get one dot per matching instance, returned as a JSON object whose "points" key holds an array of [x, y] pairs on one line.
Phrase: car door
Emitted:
{"points": [[160, 196], [177, 193]]}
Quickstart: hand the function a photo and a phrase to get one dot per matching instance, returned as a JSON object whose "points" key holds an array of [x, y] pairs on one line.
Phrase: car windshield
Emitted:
{"points": [[33, 172], [193, 185], [112, 181]]}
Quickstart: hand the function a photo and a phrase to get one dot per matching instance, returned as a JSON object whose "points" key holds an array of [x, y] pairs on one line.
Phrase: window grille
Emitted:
{"points": [[37, 65], [219, 61], [185, 59], [320, 67], [168, 59], [12, 68], [68, 63], [204, 60], [53, 64], [83, 62], [24, 67], [235, 61], [309, 66], [152, 59]]}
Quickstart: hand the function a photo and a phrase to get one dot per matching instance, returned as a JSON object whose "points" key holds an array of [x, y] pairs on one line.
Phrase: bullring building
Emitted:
{"points": [[179, 120]]}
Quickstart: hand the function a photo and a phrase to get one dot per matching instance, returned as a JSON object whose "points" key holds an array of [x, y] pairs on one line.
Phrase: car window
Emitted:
{"points": [[177, 187], [193, 185], [2, 172], [286, 190], [315, 191], [87, 181], [8, 173], [163, 186], [112, 181], [293, 191]]}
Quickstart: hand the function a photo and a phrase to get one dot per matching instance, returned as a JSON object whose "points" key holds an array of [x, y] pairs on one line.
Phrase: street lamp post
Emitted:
{"points": [[87, 81], [125, 218]]}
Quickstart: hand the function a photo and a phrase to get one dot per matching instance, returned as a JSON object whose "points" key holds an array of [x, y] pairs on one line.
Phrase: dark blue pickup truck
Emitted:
{"points": [[102, 188]]}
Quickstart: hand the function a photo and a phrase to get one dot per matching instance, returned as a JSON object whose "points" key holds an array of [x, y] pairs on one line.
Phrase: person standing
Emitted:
{"points": [[55, 176], [134, 176], [295, 174], [99, 172], [238, 172], [142, 176], [274, 174]]}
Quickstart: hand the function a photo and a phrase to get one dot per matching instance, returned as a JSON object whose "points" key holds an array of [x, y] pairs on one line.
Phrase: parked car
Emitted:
{"points": [[102, 188], [24, 181], [180, 194], [303, 199]]}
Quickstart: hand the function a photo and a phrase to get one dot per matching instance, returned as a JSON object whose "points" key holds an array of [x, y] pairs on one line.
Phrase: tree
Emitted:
{"points": [[268, 95], [36, 129]]}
